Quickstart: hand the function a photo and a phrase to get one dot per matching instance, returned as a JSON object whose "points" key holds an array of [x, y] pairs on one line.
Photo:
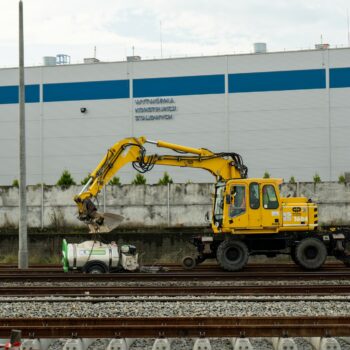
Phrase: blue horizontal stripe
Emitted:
{"points": [[277, 81], [176, 86], [91, 90], [9, 94], [339, 77]]}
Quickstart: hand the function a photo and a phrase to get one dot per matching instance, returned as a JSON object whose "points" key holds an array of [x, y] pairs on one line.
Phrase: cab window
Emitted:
{"points": [[238, 201], [219, 202], [254, 195], [269, 197]]}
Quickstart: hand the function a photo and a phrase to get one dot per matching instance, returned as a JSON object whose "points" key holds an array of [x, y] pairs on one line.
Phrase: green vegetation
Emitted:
{"points": [[292, 180], [15, 183], [115, 181], [66, 179], [139, 180], [166, 179], [85, 180], [9, 259], [36, 259], [317, 178], [266, 175], [341, 179], [39, 185]]}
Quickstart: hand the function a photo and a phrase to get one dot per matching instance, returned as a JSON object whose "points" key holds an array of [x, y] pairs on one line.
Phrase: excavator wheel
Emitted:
{"points": [[293, 256], [189, 262], [232, 255], [311, 253]]}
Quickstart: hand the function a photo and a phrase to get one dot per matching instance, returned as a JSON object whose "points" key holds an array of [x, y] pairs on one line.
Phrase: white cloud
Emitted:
{"points": [[191, 27]]}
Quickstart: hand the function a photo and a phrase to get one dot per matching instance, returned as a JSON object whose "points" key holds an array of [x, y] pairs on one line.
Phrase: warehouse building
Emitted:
{"points": [[287, 113]]}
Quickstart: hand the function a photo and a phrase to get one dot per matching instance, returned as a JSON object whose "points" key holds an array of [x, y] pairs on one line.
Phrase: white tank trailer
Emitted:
{"points": [[98, 257]]}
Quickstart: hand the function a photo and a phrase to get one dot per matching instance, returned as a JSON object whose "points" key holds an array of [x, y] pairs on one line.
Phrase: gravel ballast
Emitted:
{"points": [[147, 308]]}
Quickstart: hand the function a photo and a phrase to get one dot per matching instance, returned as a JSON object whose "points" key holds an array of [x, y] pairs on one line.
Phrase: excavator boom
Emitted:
{"points": [[222, 166]]}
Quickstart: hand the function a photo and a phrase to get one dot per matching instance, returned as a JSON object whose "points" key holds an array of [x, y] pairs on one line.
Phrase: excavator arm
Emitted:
{"points": [[222, 166]]}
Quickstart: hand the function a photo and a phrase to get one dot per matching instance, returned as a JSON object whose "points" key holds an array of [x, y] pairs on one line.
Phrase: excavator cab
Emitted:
{"points": [[254, 206]]}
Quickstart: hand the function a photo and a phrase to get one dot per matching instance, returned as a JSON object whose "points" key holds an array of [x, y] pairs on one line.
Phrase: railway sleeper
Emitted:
{"points": [[324, 343], [306, 249], [318, 343], [283, 343]]}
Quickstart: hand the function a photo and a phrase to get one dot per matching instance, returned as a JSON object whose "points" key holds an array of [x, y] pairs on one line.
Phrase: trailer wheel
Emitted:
{"points": [[232, 255], [95, 268], [311, 253]]}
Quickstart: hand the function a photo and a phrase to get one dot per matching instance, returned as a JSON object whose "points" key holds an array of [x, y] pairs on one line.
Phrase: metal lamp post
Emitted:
{"points": [[22, 230]]}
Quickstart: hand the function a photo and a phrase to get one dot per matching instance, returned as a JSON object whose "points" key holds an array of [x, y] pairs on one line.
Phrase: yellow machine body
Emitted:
{"points": [[240, 206]]}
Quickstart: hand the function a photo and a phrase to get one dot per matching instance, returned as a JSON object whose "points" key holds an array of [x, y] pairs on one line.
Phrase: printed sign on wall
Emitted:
{"points": [[149, 109]]}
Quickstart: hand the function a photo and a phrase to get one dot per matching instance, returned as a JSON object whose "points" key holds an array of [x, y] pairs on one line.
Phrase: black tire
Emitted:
{"points": [[189, 262], [95, 269], [293, 256], [232, 255], [311, 253]]}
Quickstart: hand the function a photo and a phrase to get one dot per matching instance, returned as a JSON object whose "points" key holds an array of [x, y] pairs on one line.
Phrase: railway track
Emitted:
{"points": [[162, 287], [195, 283], [177, 327], [115, 291], [176, 267], [171, 276], [205, 272], [167, 299]]}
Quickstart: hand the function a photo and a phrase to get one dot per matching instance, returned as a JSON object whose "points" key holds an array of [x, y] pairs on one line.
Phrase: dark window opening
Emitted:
{"points": [[254, 195], [269, 197], [238, 202]]}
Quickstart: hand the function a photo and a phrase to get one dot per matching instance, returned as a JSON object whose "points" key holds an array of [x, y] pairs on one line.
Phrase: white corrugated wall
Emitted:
{"points": [[292, 132]]}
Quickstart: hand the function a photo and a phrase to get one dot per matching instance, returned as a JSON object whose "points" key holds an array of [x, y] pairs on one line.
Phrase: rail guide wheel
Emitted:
{"points": [[189, 262]]}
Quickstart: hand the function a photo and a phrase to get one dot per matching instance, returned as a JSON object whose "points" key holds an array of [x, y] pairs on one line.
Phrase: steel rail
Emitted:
{"points": [[178, 327], [103, 299], [282, 267], [204, 265], [176, 276], [177, 290]]}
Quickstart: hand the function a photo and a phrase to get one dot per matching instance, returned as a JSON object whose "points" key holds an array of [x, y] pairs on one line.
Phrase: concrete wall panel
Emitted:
{"points": [[151, 206]]}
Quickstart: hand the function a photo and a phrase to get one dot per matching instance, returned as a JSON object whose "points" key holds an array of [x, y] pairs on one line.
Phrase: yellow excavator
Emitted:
{"points": [[249, 216]]}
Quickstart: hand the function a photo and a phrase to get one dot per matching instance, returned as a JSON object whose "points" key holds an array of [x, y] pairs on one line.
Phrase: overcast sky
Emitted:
{"points": [[189, 27]]}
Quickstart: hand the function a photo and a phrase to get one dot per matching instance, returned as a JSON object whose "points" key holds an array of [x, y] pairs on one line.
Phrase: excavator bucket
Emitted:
{"points": [[110, 222]]}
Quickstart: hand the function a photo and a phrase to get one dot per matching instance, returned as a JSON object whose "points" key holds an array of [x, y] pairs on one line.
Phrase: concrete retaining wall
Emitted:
{"points": [[154, 246], [145, 206]]}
